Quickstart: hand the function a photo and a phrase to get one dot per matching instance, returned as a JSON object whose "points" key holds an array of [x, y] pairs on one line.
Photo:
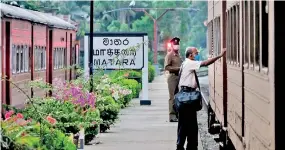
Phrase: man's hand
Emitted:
{"points": [[223, 52]]}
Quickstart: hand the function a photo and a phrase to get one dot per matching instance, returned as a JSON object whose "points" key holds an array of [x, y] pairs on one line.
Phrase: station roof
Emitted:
{"points": [[34, 16]]}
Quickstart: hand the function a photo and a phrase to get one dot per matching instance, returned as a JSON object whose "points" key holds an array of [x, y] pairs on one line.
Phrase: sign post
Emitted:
{"points": [[112, 51]]}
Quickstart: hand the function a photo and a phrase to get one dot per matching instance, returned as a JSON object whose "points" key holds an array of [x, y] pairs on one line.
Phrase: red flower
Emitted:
{"points": [[9, 114], [19, 115], [24, 134], [51, 120]]}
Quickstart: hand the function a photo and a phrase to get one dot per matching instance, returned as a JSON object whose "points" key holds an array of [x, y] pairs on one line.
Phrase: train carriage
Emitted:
{"points": [[242, 85], [35, 45]]}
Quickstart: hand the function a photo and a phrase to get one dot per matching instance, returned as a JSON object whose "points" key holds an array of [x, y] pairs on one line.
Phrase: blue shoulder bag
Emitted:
{"points": [[188, 99]]}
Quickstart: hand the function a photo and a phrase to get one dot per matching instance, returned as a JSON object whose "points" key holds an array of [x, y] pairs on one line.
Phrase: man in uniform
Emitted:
{"points": [[172, 64]]}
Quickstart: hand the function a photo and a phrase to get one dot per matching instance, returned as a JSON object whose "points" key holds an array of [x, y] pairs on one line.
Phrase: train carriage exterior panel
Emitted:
{"points": [[248, 74], [27, 37], [40, 54], [218, 66], [211, 73], [60, 54], [234, 75], [19, 60]]}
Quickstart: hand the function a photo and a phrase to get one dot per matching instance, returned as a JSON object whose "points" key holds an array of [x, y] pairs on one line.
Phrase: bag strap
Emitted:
{"points": [[177, 86], [196, 77], [180, 72], [197, 81]]}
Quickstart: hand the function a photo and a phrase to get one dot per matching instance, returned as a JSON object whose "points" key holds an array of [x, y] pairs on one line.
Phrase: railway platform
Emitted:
{"points": [[143, 127]]}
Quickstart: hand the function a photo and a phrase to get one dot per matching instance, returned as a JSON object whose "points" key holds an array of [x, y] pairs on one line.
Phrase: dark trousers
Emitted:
{"points": [[187, 128]]}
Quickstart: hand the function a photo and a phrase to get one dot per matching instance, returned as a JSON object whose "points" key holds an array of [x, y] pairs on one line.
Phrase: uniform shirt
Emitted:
{"points": [[172, 62], [187, 77]]}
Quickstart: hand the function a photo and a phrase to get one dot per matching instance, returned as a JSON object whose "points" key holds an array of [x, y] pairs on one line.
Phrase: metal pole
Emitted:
{"points": [[155, 41], [156, 37], [91, 45]]}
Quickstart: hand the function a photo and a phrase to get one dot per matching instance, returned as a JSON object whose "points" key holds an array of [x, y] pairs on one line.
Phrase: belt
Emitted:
{"points": [[187, 89], [174, 74]]}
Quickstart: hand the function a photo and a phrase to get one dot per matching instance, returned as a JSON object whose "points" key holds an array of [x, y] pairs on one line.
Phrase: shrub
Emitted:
{"points": [[136, 75], [151, 72], [130, 84], [73, 107], [21, 134], [109, 111]]}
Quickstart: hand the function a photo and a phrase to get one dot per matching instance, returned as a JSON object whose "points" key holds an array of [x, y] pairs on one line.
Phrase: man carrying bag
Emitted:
{"points": [[189, 100]]}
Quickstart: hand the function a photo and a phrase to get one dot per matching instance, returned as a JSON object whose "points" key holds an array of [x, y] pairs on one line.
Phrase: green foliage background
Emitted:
{"points": [[188, 25]]}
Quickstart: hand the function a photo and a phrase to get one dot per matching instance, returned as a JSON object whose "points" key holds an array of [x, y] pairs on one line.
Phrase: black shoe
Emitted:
{"points": [[173, 120], [180, 148]]}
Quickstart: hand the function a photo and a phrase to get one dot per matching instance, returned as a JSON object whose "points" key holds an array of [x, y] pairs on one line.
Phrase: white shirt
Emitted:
{"points": [[187, 75]]}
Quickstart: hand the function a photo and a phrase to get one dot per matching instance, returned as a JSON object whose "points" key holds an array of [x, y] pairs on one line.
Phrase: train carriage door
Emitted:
{"points": [[7, 62]]}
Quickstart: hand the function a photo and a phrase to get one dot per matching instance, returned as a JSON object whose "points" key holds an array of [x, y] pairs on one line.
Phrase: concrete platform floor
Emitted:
{"points": [[143, 127]]}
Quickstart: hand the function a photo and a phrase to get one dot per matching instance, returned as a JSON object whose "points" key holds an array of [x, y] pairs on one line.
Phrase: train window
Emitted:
{"points": [[246, 35], [59, 58], [62, 57], [14, 62], [54, 58], [17, 59], [42, 57], [219, 36], [74, 55], [251, 33], [264, 35], [210, 39], [26, 56], [21, 59], [232, 34], [217, 40], [238, 33], [227, 37], [255, 35], [44, 61], [36, 60]]}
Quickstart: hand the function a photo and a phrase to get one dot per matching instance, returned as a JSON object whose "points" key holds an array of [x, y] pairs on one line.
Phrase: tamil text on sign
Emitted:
{"points": [[118, 52]]}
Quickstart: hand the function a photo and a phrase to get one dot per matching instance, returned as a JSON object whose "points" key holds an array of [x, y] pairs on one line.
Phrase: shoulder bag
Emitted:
{"points": [[189, 99]]}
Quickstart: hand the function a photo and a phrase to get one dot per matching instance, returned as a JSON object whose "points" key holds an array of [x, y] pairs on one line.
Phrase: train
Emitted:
{"points": [[243, 105], [34, 46]]}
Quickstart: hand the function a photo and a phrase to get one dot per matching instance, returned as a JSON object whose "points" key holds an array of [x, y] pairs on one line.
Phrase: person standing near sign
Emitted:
{"points": [[172, 64]]}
